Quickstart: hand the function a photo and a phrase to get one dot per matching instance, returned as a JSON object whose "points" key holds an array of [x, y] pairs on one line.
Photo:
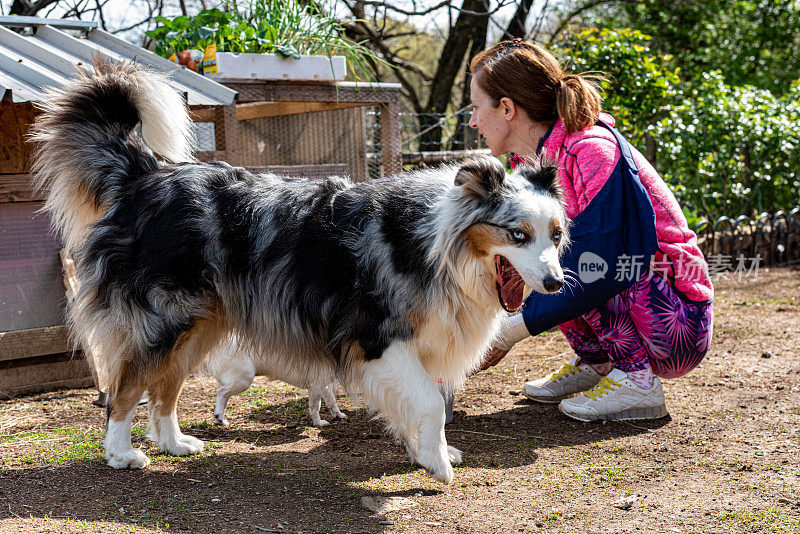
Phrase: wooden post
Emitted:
{"points": [[390, 138], [230, 133], [71, 283]]}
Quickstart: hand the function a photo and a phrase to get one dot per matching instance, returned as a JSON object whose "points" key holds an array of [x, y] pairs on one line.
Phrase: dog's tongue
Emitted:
{"points": [[512, 287]]}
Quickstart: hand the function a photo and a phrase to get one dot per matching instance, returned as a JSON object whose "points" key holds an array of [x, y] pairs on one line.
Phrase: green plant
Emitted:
{"points": [[641, 85], [287, 28], [752, 42], [732, 150]]}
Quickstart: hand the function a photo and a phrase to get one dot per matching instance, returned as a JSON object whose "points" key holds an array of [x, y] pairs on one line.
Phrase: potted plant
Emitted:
{"points": [[267, 39]]}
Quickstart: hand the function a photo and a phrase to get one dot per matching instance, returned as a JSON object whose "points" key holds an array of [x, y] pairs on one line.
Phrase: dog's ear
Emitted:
{"points": [[480, 176], [544, 175]]}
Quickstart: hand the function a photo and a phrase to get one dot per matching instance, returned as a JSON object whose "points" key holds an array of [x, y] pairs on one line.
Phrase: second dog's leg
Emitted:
{"points": [[230, 386], [399, 387], [329, 396], [314, 404]]}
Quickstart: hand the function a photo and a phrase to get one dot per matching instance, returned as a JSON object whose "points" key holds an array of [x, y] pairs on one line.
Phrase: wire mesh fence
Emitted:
{"points": [[427, 138]]}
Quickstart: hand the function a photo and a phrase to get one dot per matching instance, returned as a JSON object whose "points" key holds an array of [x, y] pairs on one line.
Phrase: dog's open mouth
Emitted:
{"points": [[510, 285]]}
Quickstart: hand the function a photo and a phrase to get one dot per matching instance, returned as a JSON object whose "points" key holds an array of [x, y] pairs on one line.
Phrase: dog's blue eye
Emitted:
{"points": [[557, 235], [519, 237]]}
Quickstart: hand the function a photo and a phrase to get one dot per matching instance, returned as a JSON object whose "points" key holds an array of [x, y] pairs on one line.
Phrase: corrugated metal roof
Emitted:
{"points": [[49, 57]]}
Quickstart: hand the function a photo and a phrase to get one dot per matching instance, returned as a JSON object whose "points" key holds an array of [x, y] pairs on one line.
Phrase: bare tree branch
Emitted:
{"points": [[577, 11], [516, 26], [26, 8], [411, 13], [100, 14]]}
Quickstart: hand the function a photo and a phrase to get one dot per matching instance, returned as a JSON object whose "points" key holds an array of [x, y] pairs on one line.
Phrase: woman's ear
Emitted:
{"points": [[509, 108]]}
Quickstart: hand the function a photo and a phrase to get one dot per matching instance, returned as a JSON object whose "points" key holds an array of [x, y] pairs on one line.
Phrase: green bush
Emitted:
{"points": [[732, 150]]}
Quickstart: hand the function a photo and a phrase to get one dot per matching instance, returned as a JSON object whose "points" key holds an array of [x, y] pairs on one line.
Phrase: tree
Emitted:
{"points": [[752, 42], [443, 83]]}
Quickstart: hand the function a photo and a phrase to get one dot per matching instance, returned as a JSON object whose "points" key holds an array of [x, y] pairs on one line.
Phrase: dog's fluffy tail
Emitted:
{"points": [[87, 147]]}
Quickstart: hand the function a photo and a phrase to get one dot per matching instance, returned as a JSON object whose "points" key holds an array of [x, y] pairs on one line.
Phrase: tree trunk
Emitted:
{"points": [[28, 9], [466, 138], [516, 26], [450, 62]]}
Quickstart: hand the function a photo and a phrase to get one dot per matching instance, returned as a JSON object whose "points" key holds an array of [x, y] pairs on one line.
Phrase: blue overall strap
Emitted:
{"points": [[612, 244]]}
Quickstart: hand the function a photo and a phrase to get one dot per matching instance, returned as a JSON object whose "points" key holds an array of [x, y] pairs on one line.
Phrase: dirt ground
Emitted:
{"points": [[727, 459]]}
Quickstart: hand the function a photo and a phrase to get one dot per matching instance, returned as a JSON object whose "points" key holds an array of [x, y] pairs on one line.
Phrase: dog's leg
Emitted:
{"points": [[399, 387], [314, 404], [163, 428], [329, 396], [165, 386], [231, 386], [120, 453]]}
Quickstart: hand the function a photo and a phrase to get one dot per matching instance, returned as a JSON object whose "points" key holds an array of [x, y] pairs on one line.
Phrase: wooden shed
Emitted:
{"points": [[34, 350], [296, 128]]}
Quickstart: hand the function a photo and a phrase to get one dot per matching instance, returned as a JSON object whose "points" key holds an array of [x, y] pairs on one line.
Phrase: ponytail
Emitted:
{"points": [[577, 101]]}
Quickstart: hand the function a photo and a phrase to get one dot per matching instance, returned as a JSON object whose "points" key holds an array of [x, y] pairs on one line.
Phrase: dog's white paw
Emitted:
{"points": [[443, 474], [338, 414], [181, 445], [320, 422], [127, 459], [438, 466], [455, 455], [193, 444], [220, 420]]}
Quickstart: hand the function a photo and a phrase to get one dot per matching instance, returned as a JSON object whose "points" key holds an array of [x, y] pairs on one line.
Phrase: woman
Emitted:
{"points": [[658, 323]]}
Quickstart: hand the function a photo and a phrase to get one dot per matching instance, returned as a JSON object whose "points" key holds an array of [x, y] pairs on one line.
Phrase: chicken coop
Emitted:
{"points": [[301, 129]]}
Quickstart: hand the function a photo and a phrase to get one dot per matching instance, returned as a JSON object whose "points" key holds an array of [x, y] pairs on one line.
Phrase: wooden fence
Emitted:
{"points": [[773, 237]]}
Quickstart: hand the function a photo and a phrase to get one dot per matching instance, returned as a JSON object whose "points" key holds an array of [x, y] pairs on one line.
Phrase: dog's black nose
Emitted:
{"points": [[552, 284]]}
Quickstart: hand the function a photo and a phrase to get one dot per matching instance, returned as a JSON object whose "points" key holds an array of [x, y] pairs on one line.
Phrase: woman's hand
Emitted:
{"points": [[493, 357]]}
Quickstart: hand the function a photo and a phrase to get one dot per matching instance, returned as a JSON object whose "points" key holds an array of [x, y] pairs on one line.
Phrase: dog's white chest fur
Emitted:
{"points": [[453, 342]]}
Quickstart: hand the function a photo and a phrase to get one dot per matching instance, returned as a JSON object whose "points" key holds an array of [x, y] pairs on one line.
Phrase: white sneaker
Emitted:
{"points": [[572, 377], [617, 397]]}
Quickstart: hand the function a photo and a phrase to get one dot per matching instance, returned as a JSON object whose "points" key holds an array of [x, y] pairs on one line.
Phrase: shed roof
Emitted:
{"points": [[49, 57]]}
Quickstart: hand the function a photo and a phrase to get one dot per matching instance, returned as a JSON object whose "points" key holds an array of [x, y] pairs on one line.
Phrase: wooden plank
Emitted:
{"points": [[226, 117], [45, 373], [33, 342], [18, 188], [204, 114], [210, 155], [260, 110], [391, 149]]}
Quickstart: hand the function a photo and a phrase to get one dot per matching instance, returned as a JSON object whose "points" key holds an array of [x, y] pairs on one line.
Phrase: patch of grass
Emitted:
{"points": [[790, 301], [708, 462], [198, 425], [552, 517], [139, 430], [773, 519], [58, 446], [278, 387], [296, 410]]}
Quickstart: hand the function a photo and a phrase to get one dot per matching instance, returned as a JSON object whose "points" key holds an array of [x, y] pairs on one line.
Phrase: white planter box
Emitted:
{"points": [[273, 67]]}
